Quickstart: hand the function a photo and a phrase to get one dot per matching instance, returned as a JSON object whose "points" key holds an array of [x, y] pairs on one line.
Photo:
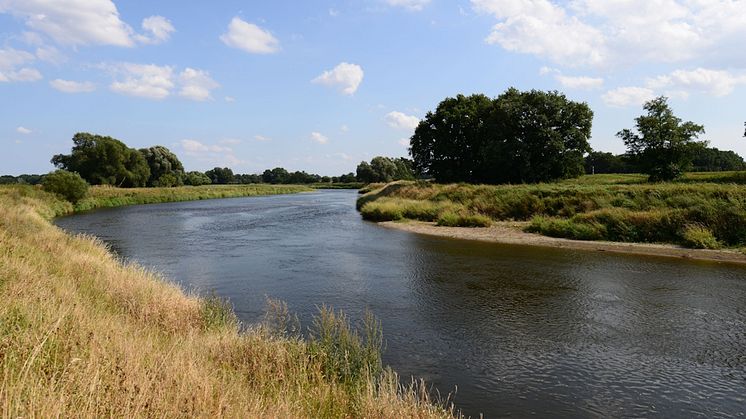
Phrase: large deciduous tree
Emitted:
{"points": [[663, 145], [220, 175], [517, 137], [165, 167], [104, 160]]}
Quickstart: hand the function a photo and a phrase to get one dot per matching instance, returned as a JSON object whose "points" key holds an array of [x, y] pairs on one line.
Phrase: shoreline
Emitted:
{"points": [[511, 233]]}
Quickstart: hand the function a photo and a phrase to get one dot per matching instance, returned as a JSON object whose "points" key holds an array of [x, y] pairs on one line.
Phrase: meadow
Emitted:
{"points": [[701, 210], [84, 334]]}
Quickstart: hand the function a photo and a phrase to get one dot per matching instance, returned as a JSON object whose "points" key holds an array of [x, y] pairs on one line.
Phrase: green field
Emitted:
{"points": [[701, 210], [83, 334]]}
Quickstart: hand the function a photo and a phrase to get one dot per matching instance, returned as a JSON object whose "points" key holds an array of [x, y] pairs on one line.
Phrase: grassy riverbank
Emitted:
{"points": [[107, 196], [83, 335], [701, 211]]}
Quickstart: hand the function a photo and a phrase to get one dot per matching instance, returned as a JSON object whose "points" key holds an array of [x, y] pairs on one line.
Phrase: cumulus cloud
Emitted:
{"points": [[157, 29], [250, 38], [13, 66], [402, 121], [542, 28], [628, 96], [580, 82], [196, 84], [612, 32], [262, 138], [319, 138], [414, 5], [70, 86], [345, 76], [712, 82], [88, 22], [156, 82], [214, 154], [144, 80], [23, 130]]}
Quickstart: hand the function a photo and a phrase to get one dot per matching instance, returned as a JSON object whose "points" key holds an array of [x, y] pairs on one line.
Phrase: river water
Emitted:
{"points": [[509, 330]]}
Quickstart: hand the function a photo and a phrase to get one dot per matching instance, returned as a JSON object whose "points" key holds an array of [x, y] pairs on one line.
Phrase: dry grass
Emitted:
{"points": [[83, 335]]}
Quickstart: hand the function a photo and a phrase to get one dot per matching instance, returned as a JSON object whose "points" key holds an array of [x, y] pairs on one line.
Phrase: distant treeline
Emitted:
{"points": [[102, 160], [703, 160]]}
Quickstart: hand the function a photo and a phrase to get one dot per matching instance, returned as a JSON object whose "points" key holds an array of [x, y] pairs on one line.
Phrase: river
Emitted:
{"points": [[508, 330]]}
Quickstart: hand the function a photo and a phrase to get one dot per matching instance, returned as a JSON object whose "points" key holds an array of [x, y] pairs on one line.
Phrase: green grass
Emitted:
{"points": [[621, 208], [107, 196]]}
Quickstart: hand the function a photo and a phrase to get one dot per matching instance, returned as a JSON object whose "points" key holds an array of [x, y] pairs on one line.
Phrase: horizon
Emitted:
{"points": [[323, 85]]}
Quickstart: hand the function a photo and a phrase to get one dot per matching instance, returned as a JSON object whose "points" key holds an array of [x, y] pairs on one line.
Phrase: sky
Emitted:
{"points": [[322, 85]]}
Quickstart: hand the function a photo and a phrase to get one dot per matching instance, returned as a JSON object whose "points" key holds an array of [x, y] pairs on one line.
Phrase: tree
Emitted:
{"points": [[196, 179], [663, 145], [518, 137], [597, 162], [713, 160], [220, 176], [365, 173], [104, 160], [69, 185], [277, 175], [384, 169], [447, 143], [165, 167]]}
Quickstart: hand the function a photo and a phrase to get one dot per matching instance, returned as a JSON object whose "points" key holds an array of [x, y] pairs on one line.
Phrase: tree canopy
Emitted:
{"points": [[104, 160], [518, 137], [385, 169], [220, 175], [663, 145], [165, 167]]}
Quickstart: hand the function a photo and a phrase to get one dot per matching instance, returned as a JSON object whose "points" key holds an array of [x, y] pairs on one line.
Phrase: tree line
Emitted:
{"points": [[536, 136]]}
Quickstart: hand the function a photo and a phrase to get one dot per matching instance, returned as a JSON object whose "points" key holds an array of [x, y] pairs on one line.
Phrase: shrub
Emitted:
{"points": [[197, 179], [699, 237], [69, 185]]}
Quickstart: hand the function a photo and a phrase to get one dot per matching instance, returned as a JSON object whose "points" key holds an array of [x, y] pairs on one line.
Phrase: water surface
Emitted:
{"points": [[513, 330]]}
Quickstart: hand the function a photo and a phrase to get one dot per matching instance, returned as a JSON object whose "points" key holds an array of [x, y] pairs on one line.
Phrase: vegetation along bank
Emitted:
{"points": [[700, 214], [82, 334]]}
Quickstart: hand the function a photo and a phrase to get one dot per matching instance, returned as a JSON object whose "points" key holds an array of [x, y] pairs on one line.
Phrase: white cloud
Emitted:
{"points": [[541, 28], [402, 121], [156, 82], [414, 5], [50, 54], [347, 77], [214, 154], [144, 80], [404, 142], [262, 138], [73, 22], [70, 86], [230, 141], [628, 96], [23, 130], [344, 128], [580, 82], [618, 32], [194, 146], [196, 84], [713, 82], [229, 99], [319, 138], [12, 66], [158, 30], [250, 38], [333, 12]]}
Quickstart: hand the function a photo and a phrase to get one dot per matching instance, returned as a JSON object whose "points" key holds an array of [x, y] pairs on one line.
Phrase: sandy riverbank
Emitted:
{"points": [[511, 233]]}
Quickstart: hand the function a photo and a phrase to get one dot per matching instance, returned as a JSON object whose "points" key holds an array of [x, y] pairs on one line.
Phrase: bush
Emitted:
{"points": [[69, 185], [699, 237], [461, 219]]}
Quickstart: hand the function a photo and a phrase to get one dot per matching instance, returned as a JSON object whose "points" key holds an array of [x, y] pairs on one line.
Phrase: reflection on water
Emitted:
{"points": [[516, 330]]}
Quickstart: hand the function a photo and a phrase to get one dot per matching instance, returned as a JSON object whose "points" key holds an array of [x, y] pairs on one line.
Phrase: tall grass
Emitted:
{"points": [[83, 335], [591, 208]]}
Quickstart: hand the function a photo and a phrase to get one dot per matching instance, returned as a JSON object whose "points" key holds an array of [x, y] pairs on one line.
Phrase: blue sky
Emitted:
{"points": [[321, 85]]}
